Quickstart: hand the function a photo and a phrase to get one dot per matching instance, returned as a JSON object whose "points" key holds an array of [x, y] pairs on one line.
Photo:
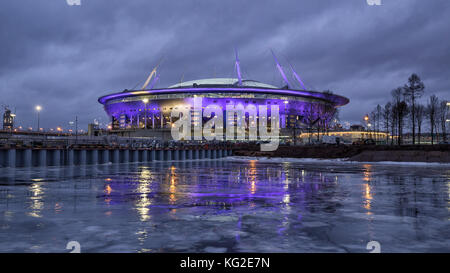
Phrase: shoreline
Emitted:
{"points": [[406, 154], [333, 160]]}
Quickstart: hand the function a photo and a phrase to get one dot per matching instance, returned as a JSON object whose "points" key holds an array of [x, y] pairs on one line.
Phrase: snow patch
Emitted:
{"points": [[336, 160]]}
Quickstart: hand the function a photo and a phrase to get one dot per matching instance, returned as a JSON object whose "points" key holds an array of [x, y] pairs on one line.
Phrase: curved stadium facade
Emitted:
{"points": [[151, 108]]}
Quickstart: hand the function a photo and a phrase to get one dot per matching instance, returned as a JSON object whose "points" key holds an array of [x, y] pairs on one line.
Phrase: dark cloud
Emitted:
{"points": [[64, 57]]}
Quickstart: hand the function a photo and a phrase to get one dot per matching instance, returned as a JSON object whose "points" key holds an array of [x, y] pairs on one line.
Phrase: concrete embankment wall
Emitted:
{"points": [[69, 157], [410, 153], [403, 156]]}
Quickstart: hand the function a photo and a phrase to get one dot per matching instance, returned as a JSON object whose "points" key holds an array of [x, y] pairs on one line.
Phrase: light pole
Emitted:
{"points": [[76, 129], [366, 120], [38, 109], [145, 101]]}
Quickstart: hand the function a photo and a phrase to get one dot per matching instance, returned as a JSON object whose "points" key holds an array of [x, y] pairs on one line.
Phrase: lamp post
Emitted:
{"points": [[76, 129], [367, 120], [38, 109], [145, 101]]}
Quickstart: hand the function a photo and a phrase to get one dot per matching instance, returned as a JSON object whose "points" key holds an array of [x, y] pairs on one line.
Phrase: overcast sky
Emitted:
{"points": [[64, 57]]}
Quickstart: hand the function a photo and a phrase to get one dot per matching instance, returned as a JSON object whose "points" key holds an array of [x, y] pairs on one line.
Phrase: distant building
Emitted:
{"points": [[8, 120], [357, 127], [347, 136], [94, 130]]}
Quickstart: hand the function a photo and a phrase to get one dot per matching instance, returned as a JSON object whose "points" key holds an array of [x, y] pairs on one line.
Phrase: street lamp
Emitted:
{"points": [[38, 109], [145, 101], [367, 120]]}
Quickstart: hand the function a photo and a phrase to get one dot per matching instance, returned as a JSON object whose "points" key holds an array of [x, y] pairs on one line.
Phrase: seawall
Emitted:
{"points": [[407, 153], [42, 157]]}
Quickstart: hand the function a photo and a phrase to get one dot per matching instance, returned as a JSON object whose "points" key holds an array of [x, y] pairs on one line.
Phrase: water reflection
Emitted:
{"points": [[251, 174], [36, 200], [58, 207], [108, 191], [143, 202], [367, 198], [171, 186], [172, 177], [447, 176], [367, 195], [243, 205]]}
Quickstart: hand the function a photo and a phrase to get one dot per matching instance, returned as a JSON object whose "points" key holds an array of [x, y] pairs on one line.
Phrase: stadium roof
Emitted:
{"points": [[222, 81]]}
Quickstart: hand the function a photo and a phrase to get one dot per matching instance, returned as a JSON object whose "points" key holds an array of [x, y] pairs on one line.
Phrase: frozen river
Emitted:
{"points": [[227, 205]]}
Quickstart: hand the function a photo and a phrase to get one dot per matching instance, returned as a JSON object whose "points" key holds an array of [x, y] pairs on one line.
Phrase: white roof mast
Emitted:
{"points": [[297, 76], [238, 68], [151, 76], [281, 70]]}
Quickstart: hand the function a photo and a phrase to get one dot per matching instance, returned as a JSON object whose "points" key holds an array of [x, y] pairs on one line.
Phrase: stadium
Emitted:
{"points": [[148, 110]]}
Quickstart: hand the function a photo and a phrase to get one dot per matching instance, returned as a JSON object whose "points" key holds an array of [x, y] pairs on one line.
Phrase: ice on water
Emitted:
{"points": [[227, 205]]}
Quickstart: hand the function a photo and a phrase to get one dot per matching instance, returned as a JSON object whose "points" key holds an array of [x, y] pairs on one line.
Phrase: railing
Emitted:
{"points": [[106, 142]]}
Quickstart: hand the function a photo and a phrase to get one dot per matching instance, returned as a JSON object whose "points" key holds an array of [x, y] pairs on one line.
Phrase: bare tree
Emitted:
{"points": [[310, 118], [327, 114], [412, 91], [420, 114], [387, 113], [373, 123], [400, 110], [378, 117], [332, 118], [393, 123], [432, 114], [442, 117]]}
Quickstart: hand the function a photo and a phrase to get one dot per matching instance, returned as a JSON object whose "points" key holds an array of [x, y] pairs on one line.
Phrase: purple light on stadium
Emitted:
{"points": [[297, 77], [281, 70], [339, 100], [296, 107], [238, 68]]}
